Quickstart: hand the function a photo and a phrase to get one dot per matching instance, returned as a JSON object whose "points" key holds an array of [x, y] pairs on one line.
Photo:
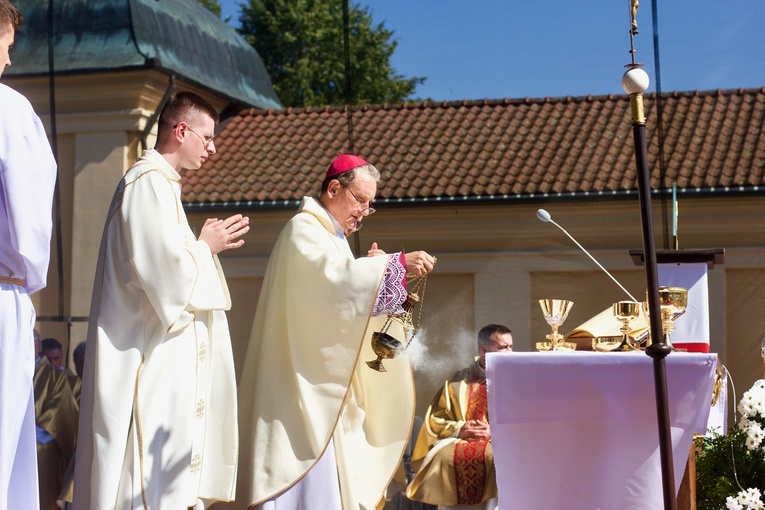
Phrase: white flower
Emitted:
{"points": [[754, 435], [756, 407], [732, 504], [745, 500], [751, 407], [750, 403]]}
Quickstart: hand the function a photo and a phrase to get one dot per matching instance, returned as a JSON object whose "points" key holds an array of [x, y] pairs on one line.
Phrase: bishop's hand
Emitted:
{"points": [[419, 263]]}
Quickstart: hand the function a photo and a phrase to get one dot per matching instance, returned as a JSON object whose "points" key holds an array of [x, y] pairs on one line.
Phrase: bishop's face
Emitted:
{"points": [[349, 205]]}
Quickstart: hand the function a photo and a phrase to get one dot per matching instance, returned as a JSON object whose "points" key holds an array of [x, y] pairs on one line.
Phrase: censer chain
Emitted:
{"points": [[424, 280]]}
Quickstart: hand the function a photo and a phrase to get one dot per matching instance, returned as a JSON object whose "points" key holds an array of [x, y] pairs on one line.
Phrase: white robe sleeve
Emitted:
{"points": [[27, 180], [178, 273]]}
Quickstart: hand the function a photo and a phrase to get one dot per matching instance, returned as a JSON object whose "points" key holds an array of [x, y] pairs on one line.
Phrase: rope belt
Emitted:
{"points": [[14, 281]]}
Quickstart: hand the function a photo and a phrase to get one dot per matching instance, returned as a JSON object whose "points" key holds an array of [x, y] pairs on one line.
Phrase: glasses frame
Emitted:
{"points": [[205, 141], [368, 210]]}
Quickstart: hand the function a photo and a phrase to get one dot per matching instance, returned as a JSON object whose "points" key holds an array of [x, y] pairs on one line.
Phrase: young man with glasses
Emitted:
{"points": [[320, 429], [158, 421], [27, 180]]}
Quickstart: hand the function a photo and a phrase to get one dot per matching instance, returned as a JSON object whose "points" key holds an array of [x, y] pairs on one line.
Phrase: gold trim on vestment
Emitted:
{"points": [[139, 432], [12, 281]]}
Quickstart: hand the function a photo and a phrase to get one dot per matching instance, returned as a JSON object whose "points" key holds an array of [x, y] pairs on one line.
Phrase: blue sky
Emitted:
{"points": [[477, 49]]}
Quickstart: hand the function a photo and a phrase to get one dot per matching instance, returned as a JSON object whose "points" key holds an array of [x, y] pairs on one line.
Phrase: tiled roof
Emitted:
{"points": [[713, 142]]}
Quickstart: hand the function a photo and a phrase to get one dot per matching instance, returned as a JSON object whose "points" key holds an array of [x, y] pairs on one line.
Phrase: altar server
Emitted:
{"points": [[27, 180], [158, 413]]}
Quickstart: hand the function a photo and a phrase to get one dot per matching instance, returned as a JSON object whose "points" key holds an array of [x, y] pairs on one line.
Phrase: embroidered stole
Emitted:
{"points": [[469, 456]]}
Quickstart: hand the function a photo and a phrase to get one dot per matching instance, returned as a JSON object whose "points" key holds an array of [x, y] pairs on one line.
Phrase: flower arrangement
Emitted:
{"points": [[730, 469]]}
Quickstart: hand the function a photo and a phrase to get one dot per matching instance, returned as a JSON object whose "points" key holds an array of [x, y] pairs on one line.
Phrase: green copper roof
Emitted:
{"points": [[179, 37]]}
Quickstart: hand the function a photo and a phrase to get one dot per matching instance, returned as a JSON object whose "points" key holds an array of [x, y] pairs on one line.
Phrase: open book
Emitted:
{"points": [[605, 324]]}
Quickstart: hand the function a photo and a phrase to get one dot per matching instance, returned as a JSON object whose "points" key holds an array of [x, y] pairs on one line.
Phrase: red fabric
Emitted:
{"points": [[692, 346], [343, 163], [402, 261], [469, 456]]}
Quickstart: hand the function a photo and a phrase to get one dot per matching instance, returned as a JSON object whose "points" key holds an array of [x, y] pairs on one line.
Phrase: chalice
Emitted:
{"points": [[626, 312], [673, 302], [555, 312]]}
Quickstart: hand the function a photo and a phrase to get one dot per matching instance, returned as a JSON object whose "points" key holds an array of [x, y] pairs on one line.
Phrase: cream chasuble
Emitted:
{"points": [[305, 381], [158, 412]]}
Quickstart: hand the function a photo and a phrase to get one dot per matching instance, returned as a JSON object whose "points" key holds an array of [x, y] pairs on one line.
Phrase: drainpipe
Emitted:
{"points": [[155, 116]]}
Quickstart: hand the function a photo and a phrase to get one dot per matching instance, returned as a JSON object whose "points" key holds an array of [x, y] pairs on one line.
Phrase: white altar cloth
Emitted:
{"points": [[578, 430]]}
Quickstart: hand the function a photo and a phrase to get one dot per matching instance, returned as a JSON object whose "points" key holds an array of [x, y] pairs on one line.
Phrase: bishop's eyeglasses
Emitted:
{"points": [[364, 207]]}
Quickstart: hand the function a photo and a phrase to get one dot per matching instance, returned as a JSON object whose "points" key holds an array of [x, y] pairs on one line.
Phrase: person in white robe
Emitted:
{"points": [[27, 181], [158, 418], [320, 428]]}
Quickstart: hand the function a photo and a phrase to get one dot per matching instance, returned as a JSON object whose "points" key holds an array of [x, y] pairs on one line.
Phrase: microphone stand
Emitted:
{"points": [[545, 216], [635, 82]]}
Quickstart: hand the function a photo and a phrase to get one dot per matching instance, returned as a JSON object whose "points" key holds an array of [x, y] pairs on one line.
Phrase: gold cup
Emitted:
{"points": [[606, 343], [626, 312], [555, 312], [673, 302]]}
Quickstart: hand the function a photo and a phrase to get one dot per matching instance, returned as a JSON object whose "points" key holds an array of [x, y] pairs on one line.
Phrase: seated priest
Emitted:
{"points": [[56, 415], [453, 455]]}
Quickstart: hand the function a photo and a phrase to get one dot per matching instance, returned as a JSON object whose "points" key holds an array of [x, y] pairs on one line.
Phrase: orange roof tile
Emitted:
{"points": [[713, 141]]}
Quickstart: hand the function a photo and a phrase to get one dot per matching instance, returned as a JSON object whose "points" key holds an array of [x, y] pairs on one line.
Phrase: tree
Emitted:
{"points": [[301, 44], [212, 5]]}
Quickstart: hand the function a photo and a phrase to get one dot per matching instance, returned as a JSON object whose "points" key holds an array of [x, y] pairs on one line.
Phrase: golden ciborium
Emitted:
{"points": [[555, 312], [673, 301], [625, 312], [383, 344]]}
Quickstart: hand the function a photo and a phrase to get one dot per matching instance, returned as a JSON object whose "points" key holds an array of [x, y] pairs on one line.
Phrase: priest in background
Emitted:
{"points": [[320, 428], [453, 455], [56, 414]]}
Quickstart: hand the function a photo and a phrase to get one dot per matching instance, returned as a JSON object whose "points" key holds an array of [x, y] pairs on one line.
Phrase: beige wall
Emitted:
{"points": [[495, 261]]}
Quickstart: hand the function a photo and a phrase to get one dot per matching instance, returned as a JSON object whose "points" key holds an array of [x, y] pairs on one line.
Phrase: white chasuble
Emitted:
{"points": [[27, 179], [158, 414], [305, 381]]}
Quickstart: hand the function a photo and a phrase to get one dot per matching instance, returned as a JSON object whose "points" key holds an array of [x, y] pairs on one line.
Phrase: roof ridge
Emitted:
{"points": [[542, 148], [430, 104]]}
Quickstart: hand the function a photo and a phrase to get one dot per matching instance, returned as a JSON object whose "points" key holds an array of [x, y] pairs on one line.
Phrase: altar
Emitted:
{"points": [[578, 430]]}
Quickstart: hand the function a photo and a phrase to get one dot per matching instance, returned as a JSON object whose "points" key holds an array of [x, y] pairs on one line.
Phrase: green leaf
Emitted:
{"points": [[301, 43]]}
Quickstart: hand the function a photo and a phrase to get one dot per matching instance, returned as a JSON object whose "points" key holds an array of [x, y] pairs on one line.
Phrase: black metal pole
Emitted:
{"points": [[635, 82], [658, 350]]}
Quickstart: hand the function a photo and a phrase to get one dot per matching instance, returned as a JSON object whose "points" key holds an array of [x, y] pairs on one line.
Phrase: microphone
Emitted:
{"points": [[545, 216]]}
